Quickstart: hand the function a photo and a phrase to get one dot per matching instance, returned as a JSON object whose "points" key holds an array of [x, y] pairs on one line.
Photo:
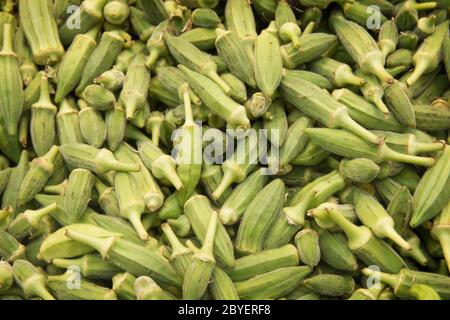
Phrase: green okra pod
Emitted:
{"points": [[111, 80], [388, 37], [337, 72], [400, 104], [31, 280], [116, 225], [141, 24], [210, 179], [286, 24], [221, 286], [408, 143], [441, 231], [67, 124], [359, 169], [331, 285], [181, 256], [239, 18], [146, 288], [202, 38], [307, 243], [10, 248], [432, 117], [99, 98], [310, 76], [116, 123], [92, 125], [11, 193], [6, 276], [154, 9], [77, 193], [423, 292], [42, 32], [123, 285], [311, 155]]}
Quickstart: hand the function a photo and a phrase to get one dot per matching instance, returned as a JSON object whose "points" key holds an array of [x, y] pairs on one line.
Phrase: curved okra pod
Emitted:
{"points": [[340, 74], [433, 191], [10, 248], [11, 92], [146, 288], [31, 280], [330, 138], [216, 100], [198, 210], [99, 161], [202, 264], [373, 215], [441, 231], [41, 32], [256, 221], [361, 47], [318, 104], [131, 257], [41, 169]]}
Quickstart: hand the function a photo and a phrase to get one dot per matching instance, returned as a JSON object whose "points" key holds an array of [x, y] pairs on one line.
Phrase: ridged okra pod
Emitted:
{"points": [[277, 125], [328, 139], [433, 191], [42, 126], [141, 24], [116, 122], [307, 243], [239, 18], [359, 169], [257, 221], [388, 37], [88, 15], [67, 124], [337, 72], [31, 280], [432, 117], [135, 87], [41, 32], [116, 225], [399, 103], [41, 169], [286, 24], [77, 193], [273, 284], [133, 258], [361, 47], [10, 248], [92, 125], [111, 80], [202, 264], [99, 98], [198, 209], [100, 161], [221, 286], [216, 100], [331, 285], [409, 143], [155, 10], [318, 104], [101, 59], [11, 92]]}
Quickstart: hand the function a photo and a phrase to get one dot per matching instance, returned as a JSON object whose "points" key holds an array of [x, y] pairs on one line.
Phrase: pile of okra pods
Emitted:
{"points": [[209, 149]]}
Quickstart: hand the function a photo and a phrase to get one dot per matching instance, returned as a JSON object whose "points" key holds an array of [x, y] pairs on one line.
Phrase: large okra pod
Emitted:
{"points": [[349, 145], [313, 77], [88, 15], [277, 125], [116, 123], [135, 87], [171, 79], [331, 285], [73, 63], [198, 210], [42, 127], [117, 225], [273, 284], [6, 276], [433, 191], [361, 47], [11, 92], [318, 104], [307, 243], [41, 31], [259, 216], [133, 258], [101, 59]]}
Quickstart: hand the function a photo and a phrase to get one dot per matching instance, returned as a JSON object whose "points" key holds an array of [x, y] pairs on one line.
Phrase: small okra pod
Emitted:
{"points": [[371, 293], [181, 256], [6, 276], [373, 215], [256, 221], [78, 193], [123, 285], [388, 37], [371, 115], [221, 286], [172, 208], [337, 72], [307, 243], [268, 65], [180, 225], [368, 248], [91, 266], [433, 191], [27, 223], [202, 38], [403, 280], [320, 105], [141, 25], [364, 51], [146, 288], [111, 80], [89, 14], [92, 125], [408, 40], [312, 46], [441, 231], [188, 55], [210, 179], [154, 9], [99, 98], [71, 286], [31, 280], [101, 59], [41, 33], [11, 193], [273, 284], [429, 54], [320, 214], [400, 208], [100, 161], [328, 139], [73, 63], [131, 257], [257, 106], [359, 169], [233, 51], [360, 13], [41, 169], [67, 124], [331, 285], [135, 87], [205, 17], [10, 248], [11, 92], [161, 165], [199, 272], [239, 18], [116, 11], [400, 104], [198, 209], [400, 57]]}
